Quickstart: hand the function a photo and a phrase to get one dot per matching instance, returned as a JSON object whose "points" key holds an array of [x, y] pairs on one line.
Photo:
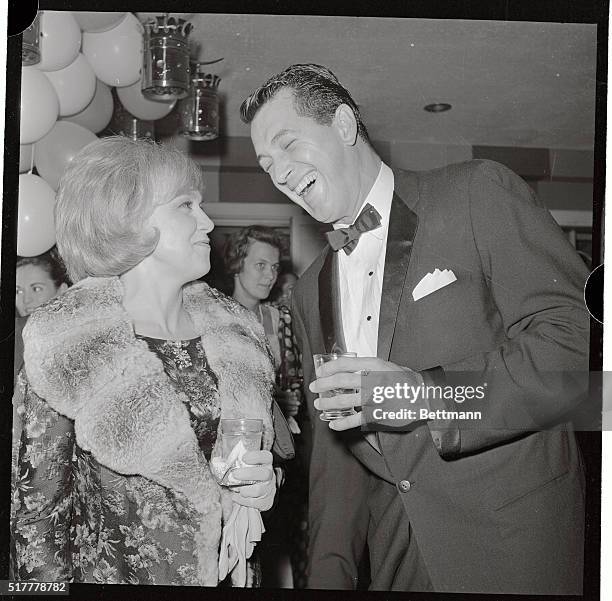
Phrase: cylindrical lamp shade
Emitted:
{"points": [[200, 110], [165, 68], [30, 44]]}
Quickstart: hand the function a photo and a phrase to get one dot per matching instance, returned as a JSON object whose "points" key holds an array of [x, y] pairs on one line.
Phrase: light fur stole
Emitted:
{"points": [[82, 357]]}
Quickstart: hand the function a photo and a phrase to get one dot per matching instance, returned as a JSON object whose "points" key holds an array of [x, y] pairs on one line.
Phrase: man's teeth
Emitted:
{"points": [[307, 181]]}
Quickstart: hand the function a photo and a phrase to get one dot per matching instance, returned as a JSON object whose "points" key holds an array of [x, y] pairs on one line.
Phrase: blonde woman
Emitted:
{"points": [[128, 374]]}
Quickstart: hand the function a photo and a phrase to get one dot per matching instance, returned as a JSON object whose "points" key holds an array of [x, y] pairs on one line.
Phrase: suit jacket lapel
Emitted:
{"points": [[403, 224], [329, 303]]}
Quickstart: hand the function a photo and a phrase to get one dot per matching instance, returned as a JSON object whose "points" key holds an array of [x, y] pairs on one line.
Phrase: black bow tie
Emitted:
{"points": [[347, 237]]}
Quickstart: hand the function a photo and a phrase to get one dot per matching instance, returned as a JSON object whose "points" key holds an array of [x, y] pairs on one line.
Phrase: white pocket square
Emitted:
{"points": [[432, 282]]}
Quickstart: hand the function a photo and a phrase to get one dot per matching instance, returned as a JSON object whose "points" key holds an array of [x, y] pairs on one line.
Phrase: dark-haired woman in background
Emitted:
{"points": [[252, 258], [37, 280]]}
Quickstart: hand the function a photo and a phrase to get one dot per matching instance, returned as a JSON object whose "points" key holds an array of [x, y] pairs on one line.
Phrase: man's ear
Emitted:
{"points": [[345, 124]]}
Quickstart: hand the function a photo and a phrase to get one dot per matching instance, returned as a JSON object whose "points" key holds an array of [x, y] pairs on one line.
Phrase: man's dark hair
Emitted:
{"points": [[317, 93]]}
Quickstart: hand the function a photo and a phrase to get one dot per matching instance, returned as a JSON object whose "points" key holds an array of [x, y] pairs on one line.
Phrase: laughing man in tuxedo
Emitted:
{"points": [[442, 505]]}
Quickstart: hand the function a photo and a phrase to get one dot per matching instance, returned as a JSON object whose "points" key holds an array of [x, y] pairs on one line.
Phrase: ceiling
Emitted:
{"points": [[509, 83]]}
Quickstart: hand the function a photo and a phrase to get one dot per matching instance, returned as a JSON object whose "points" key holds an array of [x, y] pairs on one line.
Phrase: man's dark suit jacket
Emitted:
{"points": [[492, 510]]}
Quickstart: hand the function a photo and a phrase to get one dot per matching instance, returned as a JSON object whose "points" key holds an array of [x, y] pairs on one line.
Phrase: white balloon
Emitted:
{"points": [[54, 152], [75, 86], [94, 22], [132, 99], [35, 220], [39, 105], [60, 40], [26, 158], [116, 55], [98, 113]]}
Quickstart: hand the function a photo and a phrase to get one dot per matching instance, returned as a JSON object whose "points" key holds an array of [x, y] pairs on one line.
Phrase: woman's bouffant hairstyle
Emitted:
{"points": [[238, 244], [109, 190], [317, 94], [51, 262]]}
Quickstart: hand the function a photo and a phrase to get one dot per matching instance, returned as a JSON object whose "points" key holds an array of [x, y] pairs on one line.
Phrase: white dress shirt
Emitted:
{"points": [[361, 273]]}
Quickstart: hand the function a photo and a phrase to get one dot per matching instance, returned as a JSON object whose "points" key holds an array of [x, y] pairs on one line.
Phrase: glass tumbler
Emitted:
{"points": [[330, 414]]}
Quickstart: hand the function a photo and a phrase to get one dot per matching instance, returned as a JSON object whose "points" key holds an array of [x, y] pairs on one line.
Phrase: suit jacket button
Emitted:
{"points": [[403, 485]]}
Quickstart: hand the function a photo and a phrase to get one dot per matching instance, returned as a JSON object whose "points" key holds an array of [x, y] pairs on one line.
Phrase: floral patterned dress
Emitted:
{"points": [[75, 520]]}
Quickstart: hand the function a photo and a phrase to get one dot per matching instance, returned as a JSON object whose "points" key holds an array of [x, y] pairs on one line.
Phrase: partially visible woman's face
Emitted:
{"points": [[259, 270], [34, 286], [183, 249]]}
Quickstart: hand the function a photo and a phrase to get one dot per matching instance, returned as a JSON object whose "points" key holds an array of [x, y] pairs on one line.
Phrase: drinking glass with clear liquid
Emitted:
{"points": [[331, 414], [238, 436], [234, 431]]}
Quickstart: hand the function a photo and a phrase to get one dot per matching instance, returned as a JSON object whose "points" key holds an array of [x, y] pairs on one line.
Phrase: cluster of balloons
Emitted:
{"points": [[66, 100]]}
